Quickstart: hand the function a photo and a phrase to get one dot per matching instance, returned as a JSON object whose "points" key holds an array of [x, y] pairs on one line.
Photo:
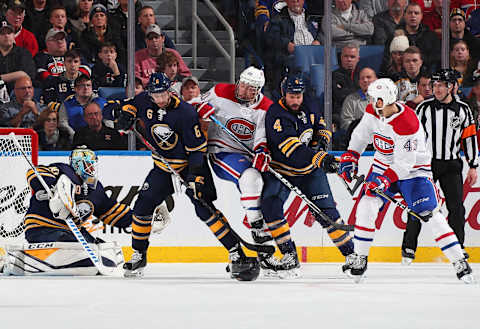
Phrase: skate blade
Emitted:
{"points": [[468, 279], [406, 261], [290, 274], [357, 278], [138, 273], [268, 274], [348, 273]]}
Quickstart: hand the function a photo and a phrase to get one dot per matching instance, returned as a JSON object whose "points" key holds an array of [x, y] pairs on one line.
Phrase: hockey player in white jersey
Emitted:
{"points": [[241, 108], [401, 164]]}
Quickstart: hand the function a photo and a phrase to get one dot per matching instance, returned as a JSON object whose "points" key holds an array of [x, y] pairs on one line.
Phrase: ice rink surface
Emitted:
{"points": [[191, 296]]}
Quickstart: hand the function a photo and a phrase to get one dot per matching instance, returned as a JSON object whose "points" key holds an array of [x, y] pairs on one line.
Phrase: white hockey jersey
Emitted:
{"points": [[400, 143], [246, 122]]}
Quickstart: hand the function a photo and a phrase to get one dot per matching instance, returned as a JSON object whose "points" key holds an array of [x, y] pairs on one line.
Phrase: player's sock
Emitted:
{"points": [[280, 231], [341, 239], [141, 228], [217, 224], [445, 237], [364, 233]]}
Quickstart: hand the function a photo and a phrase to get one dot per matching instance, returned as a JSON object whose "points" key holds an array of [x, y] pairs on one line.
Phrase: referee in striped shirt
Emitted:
{"points": [[450, 127]]}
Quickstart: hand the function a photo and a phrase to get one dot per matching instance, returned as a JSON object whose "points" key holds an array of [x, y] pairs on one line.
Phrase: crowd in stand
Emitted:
{"points": [[55, 55]]}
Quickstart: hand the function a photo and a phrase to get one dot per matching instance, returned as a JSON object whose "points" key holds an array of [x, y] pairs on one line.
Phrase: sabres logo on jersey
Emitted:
{"points": [[306, 136], [242, 128], [164, 136], [383, 144], [85, 209]]}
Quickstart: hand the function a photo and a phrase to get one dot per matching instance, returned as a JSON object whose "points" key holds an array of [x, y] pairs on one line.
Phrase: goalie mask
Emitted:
{"points": [[84, 162], [382, 92], [249, 85]]}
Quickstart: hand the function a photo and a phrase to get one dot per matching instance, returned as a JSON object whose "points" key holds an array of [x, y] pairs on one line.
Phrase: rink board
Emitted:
{"points": [[187, 239]]}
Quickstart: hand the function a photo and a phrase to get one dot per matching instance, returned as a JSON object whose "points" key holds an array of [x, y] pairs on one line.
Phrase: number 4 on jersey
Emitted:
{"points": [[277, 126]]}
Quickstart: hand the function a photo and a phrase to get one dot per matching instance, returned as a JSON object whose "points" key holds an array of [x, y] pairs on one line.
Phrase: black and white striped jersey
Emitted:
{"points": [[449, 128]]}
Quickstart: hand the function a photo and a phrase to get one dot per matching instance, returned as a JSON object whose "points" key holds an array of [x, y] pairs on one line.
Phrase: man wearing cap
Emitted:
{"points": [[146, 59], [15, 15], [459, 32], [146, 17], [98, 33], [190, 88], [384, 23], [392, 65], [15, 62]]}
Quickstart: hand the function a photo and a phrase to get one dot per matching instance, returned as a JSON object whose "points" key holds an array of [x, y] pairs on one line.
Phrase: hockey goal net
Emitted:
{"points": [[14, 190]]}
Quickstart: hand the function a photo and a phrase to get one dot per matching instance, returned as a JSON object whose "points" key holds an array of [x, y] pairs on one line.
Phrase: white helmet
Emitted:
{"points": [[253, 77], [383, 89]]}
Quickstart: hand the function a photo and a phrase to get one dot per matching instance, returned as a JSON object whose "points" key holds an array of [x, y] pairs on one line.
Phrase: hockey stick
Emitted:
{"points": [[70, 223], [359, 181], [399, 204], [255, 247], [290, 186]]}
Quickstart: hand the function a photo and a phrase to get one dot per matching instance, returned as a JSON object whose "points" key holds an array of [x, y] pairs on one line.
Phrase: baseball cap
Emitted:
{"points": [[153, 28], [457, 12], [5, 25], [190, 78], [16, 4], [97, 8], [399, 43], [53, 32]]}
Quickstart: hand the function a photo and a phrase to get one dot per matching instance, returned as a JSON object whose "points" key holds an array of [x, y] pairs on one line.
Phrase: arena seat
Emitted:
{"points": [[306, 56], [371, 56], [317, 78], [112, 92]]}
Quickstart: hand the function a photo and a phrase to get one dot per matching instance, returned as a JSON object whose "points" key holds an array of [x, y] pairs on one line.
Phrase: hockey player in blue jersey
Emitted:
{"points": [[297, 139], [45, 218], [173, 129]]}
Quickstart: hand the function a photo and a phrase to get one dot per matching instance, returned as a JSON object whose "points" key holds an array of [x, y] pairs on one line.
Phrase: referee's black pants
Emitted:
{"points": [[449, 174]]}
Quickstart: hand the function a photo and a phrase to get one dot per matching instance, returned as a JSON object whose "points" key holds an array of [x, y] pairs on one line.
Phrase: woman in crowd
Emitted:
{"points": [[461, 61], [51, 137]]}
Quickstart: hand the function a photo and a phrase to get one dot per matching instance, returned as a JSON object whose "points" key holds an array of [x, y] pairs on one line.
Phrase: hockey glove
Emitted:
{"points": [[380, 183], [204, 110], [349, 165], [196, 184], [122, 120], [261, 160], [324, 137], [326, 161]]}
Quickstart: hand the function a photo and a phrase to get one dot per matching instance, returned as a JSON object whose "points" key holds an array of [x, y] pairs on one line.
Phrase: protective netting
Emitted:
{"points": [[14, 190]]}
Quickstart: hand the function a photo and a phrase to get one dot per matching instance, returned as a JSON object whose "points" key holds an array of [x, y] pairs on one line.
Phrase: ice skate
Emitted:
{"points": [[408, 255], [260, 233], [464, 271], [135, 267], [349, 259], [288, 267], [358, 267], [241, 267]]}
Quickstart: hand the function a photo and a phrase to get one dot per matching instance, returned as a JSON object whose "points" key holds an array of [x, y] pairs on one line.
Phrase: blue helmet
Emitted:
{"points": [[293, 85], [84, 163], [158, 83]]}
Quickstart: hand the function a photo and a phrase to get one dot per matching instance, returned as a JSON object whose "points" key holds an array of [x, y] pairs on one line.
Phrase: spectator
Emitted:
{"points": [[459, 32], [384, 23], [349, 25], [98, 33], [420, 35], [473, 23], [58, 20], [356, 102], [168, 64], [190, 88], [23, 110], [146, 59], [107, 72], [50, 136], [71, 111], [57, 88], [36, 18], [96, 135], [290, 27], [146, 17], [118, 19], [372, 7], [81, 18], [394, 66], [474, 100], [138, 86], [433, 19], [15, 15], [467, 6], [50, 62], [408, 80], [424, 91], [15, 62], [345, 78], [462, 62]]}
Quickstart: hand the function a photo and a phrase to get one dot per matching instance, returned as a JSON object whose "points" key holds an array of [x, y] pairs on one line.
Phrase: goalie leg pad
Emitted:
{"points": [[59, 258]]}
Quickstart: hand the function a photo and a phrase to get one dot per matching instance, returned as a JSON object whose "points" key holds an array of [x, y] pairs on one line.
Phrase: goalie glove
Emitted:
{"points": [[161, 218], [62, 204]]}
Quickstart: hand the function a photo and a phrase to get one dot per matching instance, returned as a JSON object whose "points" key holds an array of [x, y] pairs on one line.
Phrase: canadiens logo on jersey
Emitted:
{"points": [[242, 128], [164, 136], [383, 144], [56, 67]]}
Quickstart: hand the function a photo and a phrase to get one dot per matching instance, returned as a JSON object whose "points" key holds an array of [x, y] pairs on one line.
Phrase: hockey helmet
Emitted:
{"points": [[158, 83], [247, 271], [253, 77], [445, 75], [382, 89], [84, 162], [293, 85]]}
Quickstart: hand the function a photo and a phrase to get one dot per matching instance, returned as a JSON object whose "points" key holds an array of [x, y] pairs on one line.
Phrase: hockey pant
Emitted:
{"points": [[421, 196], [237, 168], [157, 186], [315, 186]]}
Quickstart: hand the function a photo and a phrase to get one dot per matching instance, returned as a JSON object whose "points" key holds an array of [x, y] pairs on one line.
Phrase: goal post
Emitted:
{"points": [[15, 192]]}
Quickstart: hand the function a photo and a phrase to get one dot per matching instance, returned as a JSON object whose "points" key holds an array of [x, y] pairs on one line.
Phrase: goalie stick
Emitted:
{"points": [[255, 247], [102, 269], [313, 207]]}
